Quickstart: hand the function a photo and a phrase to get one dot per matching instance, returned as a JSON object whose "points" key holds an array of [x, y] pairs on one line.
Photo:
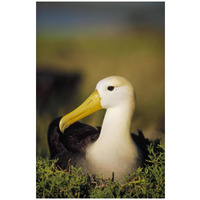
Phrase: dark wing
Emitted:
{"points": [[142, 143], [72, 144]]}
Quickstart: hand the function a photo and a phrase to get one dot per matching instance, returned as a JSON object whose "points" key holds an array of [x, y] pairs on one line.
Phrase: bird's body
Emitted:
{"points": [[111, 149], [116, 148]]}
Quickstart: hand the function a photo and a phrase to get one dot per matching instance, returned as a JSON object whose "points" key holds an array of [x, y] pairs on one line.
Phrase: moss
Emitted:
{"points": [[146, 182]]}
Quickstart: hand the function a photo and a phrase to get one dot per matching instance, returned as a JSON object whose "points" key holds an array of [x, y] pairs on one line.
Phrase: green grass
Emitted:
{"points": [[146, 182]]}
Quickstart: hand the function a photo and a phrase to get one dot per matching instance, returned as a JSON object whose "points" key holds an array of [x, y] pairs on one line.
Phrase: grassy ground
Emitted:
{"points": [[146, 182], [138, 56]]}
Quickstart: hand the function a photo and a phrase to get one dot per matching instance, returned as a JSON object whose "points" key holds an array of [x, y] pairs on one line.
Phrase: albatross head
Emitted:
{"points": [[110, 92], [114, 91]]}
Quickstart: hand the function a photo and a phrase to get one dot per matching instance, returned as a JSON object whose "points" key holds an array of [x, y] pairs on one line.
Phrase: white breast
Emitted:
{"points": [[120, 159]]}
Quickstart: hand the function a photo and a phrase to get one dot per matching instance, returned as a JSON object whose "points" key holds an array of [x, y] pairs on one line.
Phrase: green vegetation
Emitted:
{"points": [[146, 182]]}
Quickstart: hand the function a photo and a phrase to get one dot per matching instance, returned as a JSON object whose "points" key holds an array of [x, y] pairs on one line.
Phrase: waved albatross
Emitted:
{"points": [[111, 148]]}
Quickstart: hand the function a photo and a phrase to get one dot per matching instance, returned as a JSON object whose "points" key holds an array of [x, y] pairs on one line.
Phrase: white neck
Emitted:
{"points": [[115, 134], [116, 124], [114, 150]]}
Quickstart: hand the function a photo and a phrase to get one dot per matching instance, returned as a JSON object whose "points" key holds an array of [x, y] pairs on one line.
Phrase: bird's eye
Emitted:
{"points": [[110, 88]]}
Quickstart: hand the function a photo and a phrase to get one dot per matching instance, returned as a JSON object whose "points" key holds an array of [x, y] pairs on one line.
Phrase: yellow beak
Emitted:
{"points": [[89, 106]]}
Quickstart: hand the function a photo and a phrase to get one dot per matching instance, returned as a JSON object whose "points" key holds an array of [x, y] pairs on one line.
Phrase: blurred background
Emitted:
{"points": [[79, 44]]}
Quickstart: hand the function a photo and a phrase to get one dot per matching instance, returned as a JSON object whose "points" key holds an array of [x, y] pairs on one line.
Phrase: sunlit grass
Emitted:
{"points": [[146, 182]]}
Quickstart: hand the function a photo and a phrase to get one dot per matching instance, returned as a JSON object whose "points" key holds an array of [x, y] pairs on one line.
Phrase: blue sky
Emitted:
{"points": [[79, 17]]}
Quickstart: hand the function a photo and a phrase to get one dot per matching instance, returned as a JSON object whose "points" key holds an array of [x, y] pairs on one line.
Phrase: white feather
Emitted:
{"points": [[115, 151]]}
